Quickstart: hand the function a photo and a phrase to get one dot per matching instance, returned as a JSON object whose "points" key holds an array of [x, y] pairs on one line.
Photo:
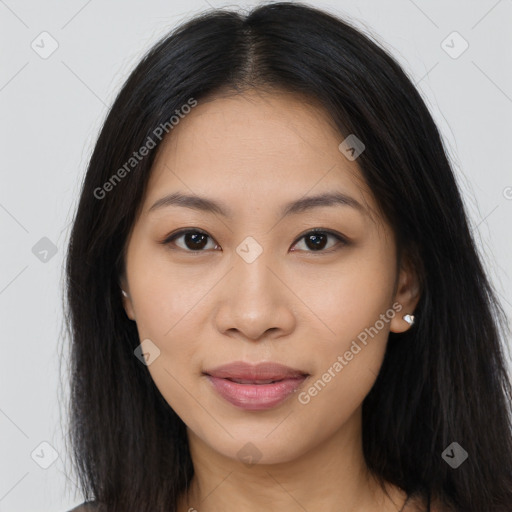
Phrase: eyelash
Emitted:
{"points": [[342, 240]]}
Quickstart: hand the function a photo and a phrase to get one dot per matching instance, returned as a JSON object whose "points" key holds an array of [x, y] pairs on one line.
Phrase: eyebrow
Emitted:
{"points": [[299, 206]]}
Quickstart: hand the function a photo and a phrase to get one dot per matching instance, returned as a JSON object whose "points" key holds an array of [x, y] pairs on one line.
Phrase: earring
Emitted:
{"points": [[124, 293], [409, 319]]}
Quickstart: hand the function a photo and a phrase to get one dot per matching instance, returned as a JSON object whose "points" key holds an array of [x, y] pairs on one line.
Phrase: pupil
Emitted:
{"points": [[317, 242], [197, 243]]}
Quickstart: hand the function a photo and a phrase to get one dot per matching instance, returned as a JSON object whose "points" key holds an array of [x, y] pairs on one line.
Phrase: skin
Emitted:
{"points": [[293, 305]]}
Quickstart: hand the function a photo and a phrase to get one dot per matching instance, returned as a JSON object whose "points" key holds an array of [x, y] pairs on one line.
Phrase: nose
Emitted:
{"points": [[255, 303]]}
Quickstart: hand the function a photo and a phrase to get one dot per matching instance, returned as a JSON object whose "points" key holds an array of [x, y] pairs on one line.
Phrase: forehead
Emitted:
{"points": [[258, 146]]}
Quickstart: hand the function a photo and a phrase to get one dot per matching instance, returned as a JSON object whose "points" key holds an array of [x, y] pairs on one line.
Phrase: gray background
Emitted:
{"points": [[51, 111]]}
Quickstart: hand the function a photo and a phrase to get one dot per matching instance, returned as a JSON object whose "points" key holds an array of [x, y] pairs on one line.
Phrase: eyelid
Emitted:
{"points": [[343, 241]]}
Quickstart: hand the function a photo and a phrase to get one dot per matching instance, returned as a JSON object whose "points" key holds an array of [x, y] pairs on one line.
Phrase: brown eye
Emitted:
{"points": [[191, 240], [317, 240]]}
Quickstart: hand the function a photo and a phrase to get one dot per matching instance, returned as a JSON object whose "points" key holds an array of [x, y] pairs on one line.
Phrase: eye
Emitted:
{"points": [[195, 240], [316, 240]]}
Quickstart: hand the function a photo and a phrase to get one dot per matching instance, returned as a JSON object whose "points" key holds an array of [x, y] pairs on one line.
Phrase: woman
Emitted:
{"points": [[275, 300]]}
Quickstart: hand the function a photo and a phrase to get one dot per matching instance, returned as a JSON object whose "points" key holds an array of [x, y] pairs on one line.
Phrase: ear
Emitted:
{"points": [[127, 300], [408, 291]]}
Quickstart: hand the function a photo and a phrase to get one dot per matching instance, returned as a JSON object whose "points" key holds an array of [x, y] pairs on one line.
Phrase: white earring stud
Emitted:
{"points": [[409, 319], [124, 293]]}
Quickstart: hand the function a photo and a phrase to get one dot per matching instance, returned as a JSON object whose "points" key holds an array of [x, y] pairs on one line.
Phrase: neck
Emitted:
{"points": [[329, 477]]}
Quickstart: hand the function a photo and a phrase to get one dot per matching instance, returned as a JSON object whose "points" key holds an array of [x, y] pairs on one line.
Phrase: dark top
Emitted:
{"points": [[89, 506]]}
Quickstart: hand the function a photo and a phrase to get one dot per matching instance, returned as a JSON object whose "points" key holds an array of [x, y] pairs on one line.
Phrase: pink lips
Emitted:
{"points": [[255, 387]]}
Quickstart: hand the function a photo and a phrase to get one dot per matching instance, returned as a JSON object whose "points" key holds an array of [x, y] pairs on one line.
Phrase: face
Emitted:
{"points": [[250, 281]]}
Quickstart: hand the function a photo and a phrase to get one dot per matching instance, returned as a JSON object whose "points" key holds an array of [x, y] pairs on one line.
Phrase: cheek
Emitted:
{"points": [[355, 304], [164, 295], [354, 295], [348, 361], [166, 302]]}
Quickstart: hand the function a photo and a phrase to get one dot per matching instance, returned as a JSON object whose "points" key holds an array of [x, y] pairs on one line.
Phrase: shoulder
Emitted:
{"points": [[90, 506]]}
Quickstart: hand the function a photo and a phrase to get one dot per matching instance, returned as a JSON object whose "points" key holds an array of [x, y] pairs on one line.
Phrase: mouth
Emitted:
{"points": [[255, 387], [257, 382]]}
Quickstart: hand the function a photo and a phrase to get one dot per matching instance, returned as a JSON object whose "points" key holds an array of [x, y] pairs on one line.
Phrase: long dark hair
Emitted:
{"points": [[443, 381]]}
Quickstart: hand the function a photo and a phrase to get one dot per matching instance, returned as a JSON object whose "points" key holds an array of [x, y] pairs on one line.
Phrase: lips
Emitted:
{"points": [[254, 374], [255, 387]]}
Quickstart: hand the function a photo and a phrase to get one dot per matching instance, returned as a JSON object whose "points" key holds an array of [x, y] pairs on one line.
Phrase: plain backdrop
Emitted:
{"points": [[52, 107]]}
